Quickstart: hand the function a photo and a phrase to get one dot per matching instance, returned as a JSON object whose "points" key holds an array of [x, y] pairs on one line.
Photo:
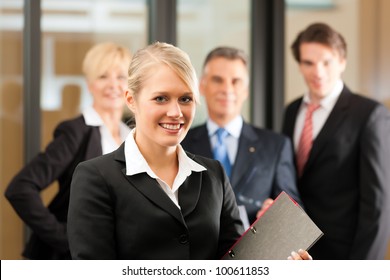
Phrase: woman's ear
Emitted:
{"points": [[130, 101]]}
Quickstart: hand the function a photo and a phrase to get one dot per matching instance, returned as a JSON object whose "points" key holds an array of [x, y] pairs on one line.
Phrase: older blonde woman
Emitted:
{"points": [[97, 131]]}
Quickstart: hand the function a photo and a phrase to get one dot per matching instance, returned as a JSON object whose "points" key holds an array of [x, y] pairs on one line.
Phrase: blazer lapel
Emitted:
{"points": [[201, 142], [94, 146], [150, 188], [290, 118], [189, 193]]}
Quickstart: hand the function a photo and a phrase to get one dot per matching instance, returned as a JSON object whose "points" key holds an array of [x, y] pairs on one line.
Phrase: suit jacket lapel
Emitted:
{"points": [[189, 193], [201, 142], [150, 188], [290, 118], [245, 154], [332, 124], [246, 149]]}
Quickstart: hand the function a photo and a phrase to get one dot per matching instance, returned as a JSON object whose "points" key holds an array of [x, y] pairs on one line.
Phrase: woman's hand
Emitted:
{"points": [[301, 255]]}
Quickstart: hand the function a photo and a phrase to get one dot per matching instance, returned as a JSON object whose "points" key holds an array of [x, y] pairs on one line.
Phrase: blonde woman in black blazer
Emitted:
{"points": [[149, 199], [97, 131]]}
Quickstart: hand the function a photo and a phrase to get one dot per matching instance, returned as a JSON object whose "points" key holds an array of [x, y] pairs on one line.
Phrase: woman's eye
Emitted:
{"points": [[186, 99], [160, 99]]}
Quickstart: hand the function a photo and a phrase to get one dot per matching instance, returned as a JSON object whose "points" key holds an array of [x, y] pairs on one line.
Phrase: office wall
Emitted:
{"points": [[11, 138], [375, 49]]}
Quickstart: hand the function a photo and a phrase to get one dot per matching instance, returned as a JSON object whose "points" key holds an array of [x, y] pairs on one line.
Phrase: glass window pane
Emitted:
{"points": [[206, 24], [69, 29]]}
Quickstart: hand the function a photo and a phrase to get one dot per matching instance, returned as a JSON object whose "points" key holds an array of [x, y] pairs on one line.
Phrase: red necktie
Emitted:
{"points": [[306, 140]]}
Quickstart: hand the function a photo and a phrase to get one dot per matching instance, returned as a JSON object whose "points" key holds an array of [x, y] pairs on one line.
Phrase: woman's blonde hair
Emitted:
{"points": [[144, 60], [104, 56]]}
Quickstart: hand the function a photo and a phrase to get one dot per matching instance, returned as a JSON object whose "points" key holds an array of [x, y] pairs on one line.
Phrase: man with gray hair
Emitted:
{"points": [[258, 162]]}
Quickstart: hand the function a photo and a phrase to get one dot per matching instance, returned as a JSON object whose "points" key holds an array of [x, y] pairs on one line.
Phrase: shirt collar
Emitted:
{"points": [[91, 117], [234, 127], [328, 101], [136, 163]]}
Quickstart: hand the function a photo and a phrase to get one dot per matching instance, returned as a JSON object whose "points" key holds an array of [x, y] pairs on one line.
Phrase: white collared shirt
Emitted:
{"points": [[234, 128], [136, 163], [92, 118], [320, 115]]}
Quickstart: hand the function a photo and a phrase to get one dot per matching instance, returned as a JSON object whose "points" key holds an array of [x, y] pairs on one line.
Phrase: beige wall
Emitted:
{"points": [[375, 43], [11, 136]]}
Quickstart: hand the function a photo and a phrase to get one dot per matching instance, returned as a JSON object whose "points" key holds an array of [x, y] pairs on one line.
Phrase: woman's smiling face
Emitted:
{"points": [[164, 108], [108, 89]]}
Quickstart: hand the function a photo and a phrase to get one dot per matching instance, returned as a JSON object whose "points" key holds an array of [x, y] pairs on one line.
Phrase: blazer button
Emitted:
{"points": [[183, 239]]}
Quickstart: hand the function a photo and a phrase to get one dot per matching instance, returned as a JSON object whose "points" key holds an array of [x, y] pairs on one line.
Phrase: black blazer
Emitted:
{"points": [[263, 167], [346, 182], [73, 142], [115, 216]]}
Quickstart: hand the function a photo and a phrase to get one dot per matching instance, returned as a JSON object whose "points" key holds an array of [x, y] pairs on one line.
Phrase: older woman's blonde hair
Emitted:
{"points": [[144, 60], [105, 56]]}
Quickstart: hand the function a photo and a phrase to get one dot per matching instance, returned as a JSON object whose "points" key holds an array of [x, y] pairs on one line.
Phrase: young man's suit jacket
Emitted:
{"points": [[263, 167], [346, 182], [73, 142], [115, 216]]}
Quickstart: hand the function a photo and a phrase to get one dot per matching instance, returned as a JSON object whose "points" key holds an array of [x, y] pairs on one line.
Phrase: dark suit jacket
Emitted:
{"points": [[73, 142], [263, 167], [346, 181], [115, 216]]}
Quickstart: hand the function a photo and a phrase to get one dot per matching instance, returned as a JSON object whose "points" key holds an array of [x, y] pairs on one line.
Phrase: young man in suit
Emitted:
{"points": [[344, 178], [261, 161]]}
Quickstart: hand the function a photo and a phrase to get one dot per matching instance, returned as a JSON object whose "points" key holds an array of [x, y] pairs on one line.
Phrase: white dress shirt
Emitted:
{"points": [[92, 118], [234, 128], [320, 115], [136, 163]]}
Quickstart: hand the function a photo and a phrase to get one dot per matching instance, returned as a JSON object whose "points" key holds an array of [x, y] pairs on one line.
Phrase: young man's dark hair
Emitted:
{"points": [[320, 33]]}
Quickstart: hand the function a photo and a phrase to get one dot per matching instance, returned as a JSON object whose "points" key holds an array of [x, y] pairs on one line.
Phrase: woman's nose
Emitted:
{"points": [[114, 81], [174, 110]]}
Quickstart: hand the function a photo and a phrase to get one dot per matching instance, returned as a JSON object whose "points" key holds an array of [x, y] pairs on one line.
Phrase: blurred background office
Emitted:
{"points": [[42, 43]]}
